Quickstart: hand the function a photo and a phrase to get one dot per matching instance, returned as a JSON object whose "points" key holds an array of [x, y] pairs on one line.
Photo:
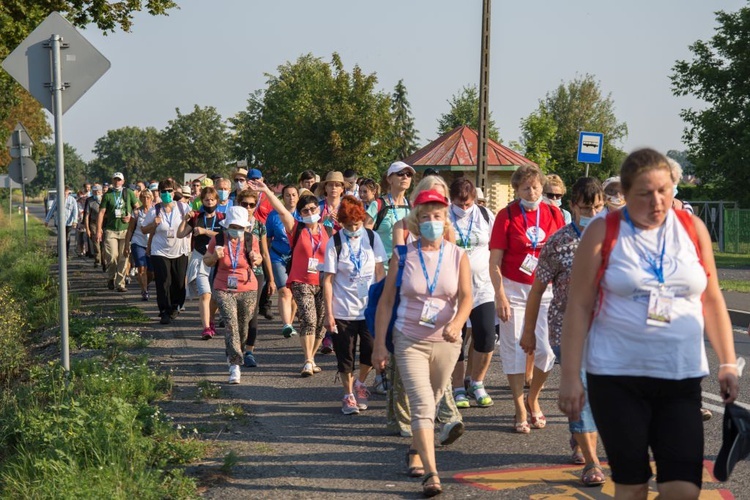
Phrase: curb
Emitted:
{"points": [[739, 318]]}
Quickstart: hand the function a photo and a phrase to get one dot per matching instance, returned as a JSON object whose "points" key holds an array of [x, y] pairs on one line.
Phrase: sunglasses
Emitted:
{"points": [[405, 173], [167, 190], [240, 180], [247, 204], [554, 196], [309, 210]]}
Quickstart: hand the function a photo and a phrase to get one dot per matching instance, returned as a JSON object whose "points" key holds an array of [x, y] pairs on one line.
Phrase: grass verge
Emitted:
{"points": [[732, 261], [735, 285]]}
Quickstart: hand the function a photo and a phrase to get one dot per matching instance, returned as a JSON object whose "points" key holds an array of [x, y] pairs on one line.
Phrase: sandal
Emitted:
{"points": [[577, 457], [432, 489], [415, 470], [538, 420], [592, 475], [523, 427]]}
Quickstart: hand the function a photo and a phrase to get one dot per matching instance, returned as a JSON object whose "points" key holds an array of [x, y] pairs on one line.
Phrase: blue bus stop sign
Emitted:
{"points": [[590, 145]]}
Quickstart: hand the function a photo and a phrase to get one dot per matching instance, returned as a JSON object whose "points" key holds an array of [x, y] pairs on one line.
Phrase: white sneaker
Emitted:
{"points": [[451, 432], [307, 369], [234, 374]]}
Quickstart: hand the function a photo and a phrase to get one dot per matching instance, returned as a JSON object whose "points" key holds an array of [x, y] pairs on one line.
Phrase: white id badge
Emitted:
{"points": [[529, 265], [170, 233], [362, 288], [659, 308], [312, 265], [429, 314], [231, 282], [118, 212]]}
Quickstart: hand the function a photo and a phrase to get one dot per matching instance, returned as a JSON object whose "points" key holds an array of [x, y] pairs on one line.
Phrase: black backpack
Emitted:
{"points": [[301, 227], [384, 207], [337, 241]]}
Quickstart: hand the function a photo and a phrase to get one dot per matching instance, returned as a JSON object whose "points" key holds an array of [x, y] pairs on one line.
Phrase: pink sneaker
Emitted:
{"points": [[362, 395], [208, 333], [349, 405]]}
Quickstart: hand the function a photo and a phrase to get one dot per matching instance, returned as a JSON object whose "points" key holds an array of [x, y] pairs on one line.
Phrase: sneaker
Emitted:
{"points": [[127, 280], [212, 326], [234, 374], [287, 331], [144, 296], [477, 392], [316, 368], [349, 405], [462, 400], [307, 369], [381, 384], [361, 394], [250, 360], [174, 313], [451, 432], [122, 289], [327, 346], [111, 284], [207, 333], [165, 319]]}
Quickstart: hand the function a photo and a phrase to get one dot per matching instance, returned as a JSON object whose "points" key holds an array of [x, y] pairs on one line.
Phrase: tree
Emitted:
{"points": [[465, 111], [550, 133], [18, 18], [75, 169], [195, 142], [315, 115], [682, 158], [718, 135], [130, 150], [404, 135], [27, 112]]}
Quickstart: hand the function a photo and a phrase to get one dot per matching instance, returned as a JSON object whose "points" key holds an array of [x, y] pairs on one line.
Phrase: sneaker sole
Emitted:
{"points": [[234, 382], [456, 432], [485, 405], [463, 406], [349, 412]]}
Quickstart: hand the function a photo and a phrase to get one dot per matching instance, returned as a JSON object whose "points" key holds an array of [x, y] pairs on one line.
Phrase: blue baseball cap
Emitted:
{"points": [[254, 173]]}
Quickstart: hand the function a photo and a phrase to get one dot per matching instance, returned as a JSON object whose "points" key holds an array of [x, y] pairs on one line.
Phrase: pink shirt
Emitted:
{"points": [[246, 280], [414, 291]]}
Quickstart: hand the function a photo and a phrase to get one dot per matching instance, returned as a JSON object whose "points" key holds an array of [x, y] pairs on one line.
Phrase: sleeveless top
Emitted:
{"points": [[620, 342]]}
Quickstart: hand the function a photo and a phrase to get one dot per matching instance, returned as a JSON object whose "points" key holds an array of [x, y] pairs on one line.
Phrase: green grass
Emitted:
{"points": [[129, 314], [208, 390], [735, 285], [732, 261]]}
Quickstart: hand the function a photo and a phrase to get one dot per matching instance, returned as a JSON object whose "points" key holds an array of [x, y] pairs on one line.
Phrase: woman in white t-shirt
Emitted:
{"points": [[168, 222], [645, 357], [352, 263], [136, 242]]}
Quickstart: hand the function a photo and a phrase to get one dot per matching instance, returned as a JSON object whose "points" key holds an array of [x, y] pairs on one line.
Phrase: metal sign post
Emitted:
{"points": [[30, 64], [22, 169]]}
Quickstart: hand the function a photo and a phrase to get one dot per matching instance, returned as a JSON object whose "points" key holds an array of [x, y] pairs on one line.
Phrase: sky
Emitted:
{"points": [[215, 53]]}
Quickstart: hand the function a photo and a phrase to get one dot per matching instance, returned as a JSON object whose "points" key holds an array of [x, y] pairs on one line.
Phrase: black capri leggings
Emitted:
{"points": [[345, 344], [635, 413], [482, 328]]}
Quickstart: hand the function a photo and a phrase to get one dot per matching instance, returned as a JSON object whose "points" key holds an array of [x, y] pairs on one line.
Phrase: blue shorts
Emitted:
{"points": [[586, 423], [140, 259], [279, 273]]}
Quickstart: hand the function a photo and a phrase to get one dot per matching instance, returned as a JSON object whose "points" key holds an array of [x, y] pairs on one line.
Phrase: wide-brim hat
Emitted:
{"points": [[334, 176], [237, 215], [735, 444]]}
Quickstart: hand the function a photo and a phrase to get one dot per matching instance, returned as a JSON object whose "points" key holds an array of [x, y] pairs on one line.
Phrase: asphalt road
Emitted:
{"points": [[288, 438]]}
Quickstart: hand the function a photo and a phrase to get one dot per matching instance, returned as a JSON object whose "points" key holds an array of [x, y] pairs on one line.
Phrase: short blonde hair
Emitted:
{"points": [[524, 173], [555, 180], [412, 220], [429, 182]]}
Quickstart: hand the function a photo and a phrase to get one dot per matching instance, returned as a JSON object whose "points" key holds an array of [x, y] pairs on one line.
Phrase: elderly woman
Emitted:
{"points": [[308, 239], [234, 253], [652, 269], [354, 260], [435, 303], [521, 230]]}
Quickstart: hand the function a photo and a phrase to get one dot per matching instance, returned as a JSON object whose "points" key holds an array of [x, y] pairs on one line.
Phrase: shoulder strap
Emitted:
{"points": [[157, 207], [383, 208], [686, 219], [298, 231], [401, 249], [485, 213], [371, 238], [337, 244], [248, 245], [220, 239], [611, 233]]}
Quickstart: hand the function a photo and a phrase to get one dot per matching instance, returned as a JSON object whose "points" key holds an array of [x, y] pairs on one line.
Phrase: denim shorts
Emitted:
{"points": [[279, 273], [140, 259], [586, 423]]}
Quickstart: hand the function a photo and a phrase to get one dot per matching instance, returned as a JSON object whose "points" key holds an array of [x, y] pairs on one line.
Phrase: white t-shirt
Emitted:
{"points": [[161, 244], [348, 285], [620, 342], [138, 237], [476, 245]]}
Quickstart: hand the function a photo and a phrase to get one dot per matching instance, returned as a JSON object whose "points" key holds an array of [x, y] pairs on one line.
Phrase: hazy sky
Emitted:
{"points": [[217, 52]]}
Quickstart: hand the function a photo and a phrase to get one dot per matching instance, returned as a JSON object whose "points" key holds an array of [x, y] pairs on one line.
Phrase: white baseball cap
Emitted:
{"points": [[398, 166]]}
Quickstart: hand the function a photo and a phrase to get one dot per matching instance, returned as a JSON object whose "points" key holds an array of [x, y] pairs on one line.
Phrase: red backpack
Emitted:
{"points": [[610, 239]]}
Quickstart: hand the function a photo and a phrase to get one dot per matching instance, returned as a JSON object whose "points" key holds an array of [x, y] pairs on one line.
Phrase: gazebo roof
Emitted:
{"points": [[457, 150]]}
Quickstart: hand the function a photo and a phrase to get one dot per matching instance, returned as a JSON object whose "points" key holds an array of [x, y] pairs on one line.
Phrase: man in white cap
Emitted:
{"points": [[115, 211]]}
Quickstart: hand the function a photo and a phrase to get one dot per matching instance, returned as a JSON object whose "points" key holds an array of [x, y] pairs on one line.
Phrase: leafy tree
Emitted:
{"points": [[18, 18], [130, 150], [404, 135], [75, 168], [682, 158], [550, 133], [718, 134], [315, 115], [465, 111]]}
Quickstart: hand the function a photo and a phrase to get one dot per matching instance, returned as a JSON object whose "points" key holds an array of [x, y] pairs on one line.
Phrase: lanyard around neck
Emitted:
{"points": [[535, 240], [356, 260], [465, 241], [656, 268], [430, 286]]}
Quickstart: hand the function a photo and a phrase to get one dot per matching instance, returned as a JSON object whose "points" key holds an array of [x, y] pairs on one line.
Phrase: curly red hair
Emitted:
{"points": [[351, 210]]}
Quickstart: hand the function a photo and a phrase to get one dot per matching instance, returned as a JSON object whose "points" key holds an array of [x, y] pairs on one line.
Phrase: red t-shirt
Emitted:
{"points": [[513, 234], [303, 251], [246, 280], [264, 208]]}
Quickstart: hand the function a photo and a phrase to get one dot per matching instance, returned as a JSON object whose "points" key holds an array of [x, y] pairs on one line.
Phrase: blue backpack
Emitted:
{"points": [[373, 296]]}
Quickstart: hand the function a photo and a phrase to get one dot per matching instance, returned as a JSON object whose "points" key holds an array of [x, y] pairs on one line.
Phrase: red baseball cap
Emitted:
{"points": [[431, 196]]}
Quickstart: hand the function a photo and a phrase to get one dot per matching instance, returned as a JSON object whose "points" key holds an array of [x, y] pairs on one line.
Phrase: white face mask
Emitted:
{"points": [[531, 205], [311, 219], [557, 203], [460, 212]]}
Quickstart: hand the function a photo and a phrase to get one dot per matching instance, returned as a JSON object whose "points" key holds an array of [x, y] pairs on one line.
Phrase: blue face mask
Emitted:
{"points": [[584, 221], [674, 192], [352, 234], [235, 233], [223, 194], [432, 230], [166, 197]]}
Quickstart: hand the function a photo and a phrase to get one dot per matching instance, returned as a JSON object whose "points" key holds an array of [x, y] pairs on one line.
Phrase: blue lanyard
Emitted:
{"points": [[356, 260], [312, 241], [465, 242], [213, 222], [169, 219], [535, 241], [430, 286], [236, 258], [393, 208], [575, 228], [657, 269]]}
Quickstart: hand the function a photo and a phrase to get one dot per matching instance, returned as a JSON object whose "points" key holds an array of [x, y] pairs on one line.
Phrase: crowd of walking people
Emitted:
{"points": [[616, 281]]}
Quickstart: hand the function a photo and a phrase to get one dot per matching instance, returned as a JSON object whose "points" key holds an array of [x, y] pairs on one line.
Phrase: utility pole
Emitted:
{"points": [[484, 83]]}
